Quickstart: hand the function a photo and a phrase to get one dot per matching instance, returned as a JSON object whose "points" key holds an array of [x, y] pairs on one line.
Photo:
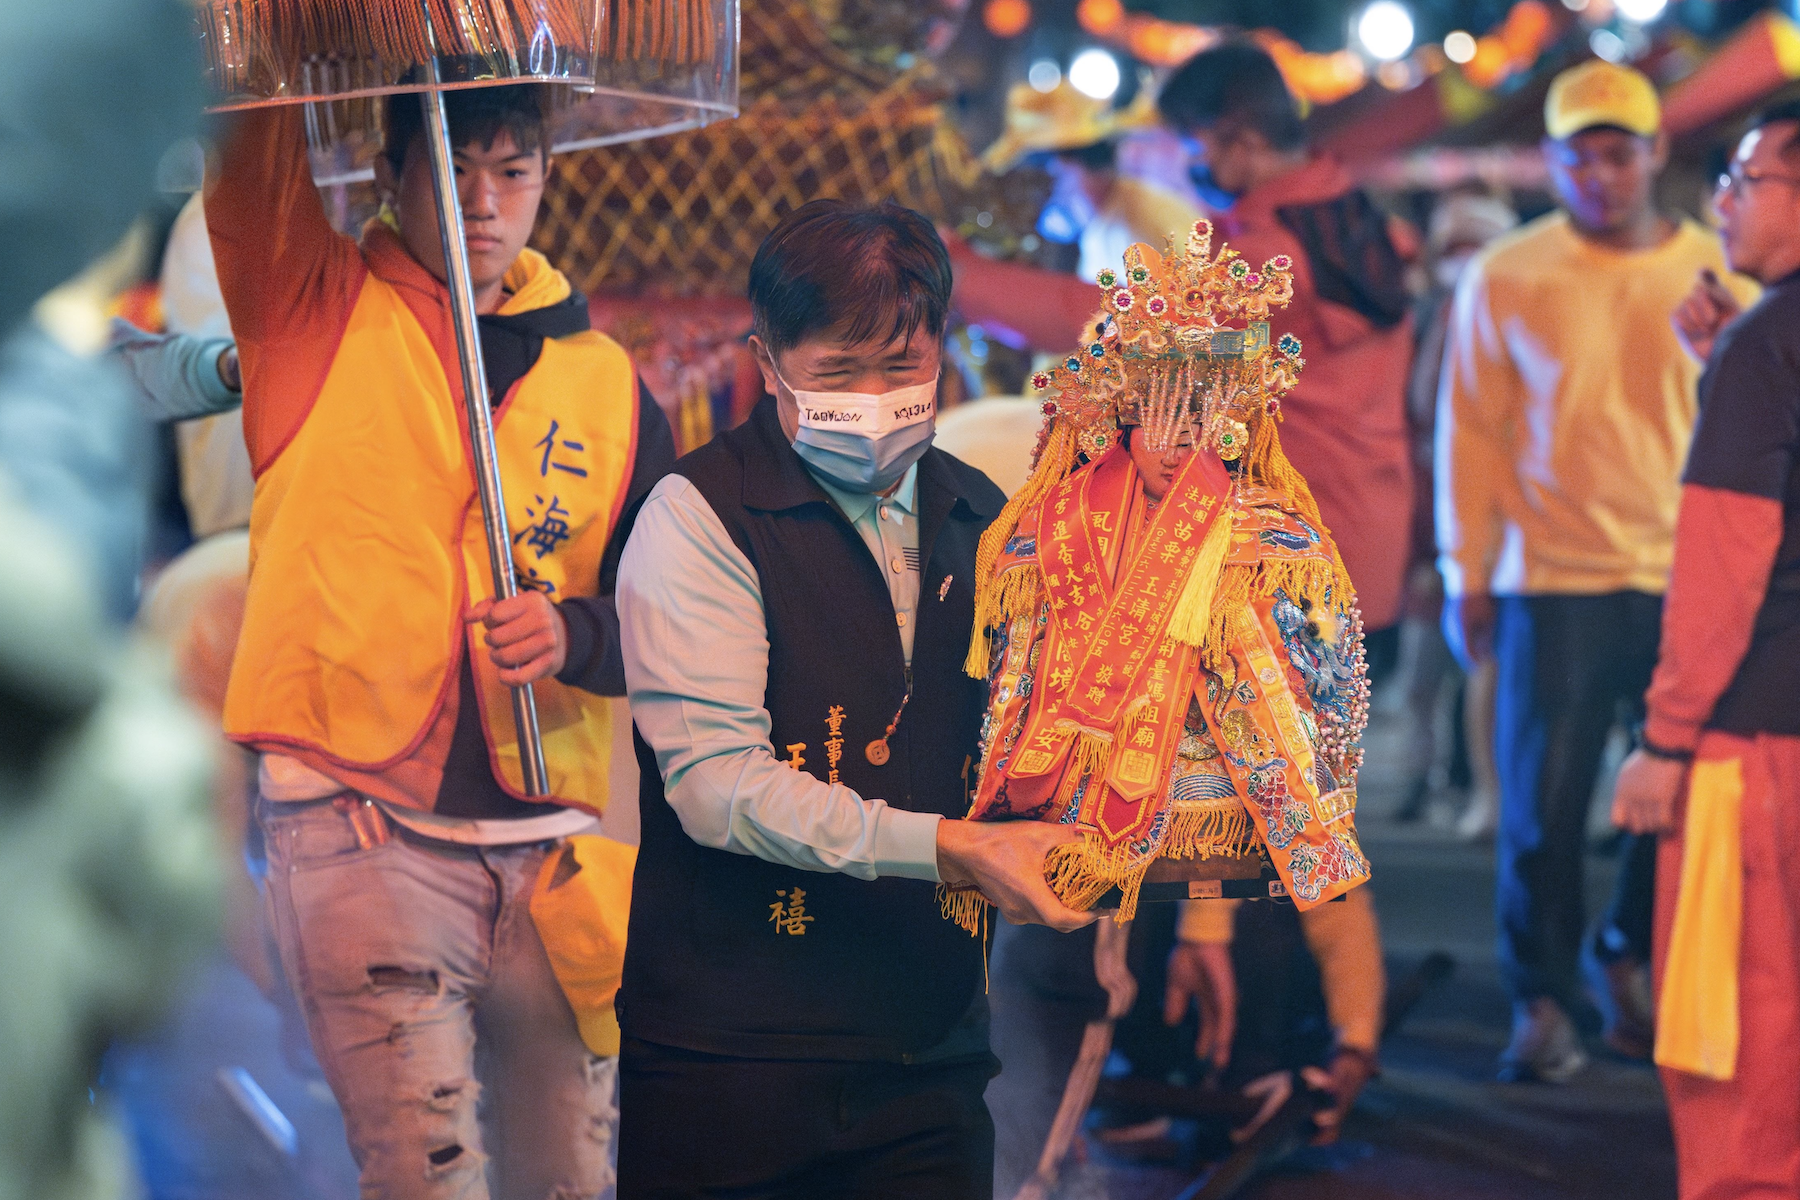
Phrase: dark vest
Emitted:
{"points": [[879, 973]]}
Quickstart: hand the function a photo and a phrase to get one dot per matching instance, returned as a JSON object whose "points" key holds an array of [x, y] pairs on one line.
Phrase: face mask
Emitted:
{"points": [[1208, 189], [863, 442]]}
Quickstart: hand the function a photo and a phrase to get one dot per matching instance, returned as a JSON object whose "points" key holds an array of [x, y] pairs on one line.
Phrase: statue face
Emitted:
{"points": [[1158, 468]]}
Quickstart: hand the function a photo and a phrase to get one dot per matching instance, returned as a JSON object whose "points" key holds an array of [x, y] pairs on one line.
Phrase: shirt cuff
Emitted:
{"points": [[906, 844], [204, 378], [1456, 579], [578, 624], [1668, 733]]}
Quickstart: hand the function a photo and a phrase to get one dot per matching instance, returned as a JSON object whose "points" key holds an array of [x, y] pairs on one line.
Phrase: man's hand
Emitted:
{"points": [[1469, 628], [526, 637], [1645, 797], [1350, 1070], [1200, 973], [1004, 860], [1703, 313]]}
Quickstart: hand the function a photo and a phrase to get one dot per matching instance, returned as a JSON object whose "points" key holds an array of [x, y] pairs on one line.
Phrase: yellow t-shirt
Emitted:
{"points": [[1565, 411]]}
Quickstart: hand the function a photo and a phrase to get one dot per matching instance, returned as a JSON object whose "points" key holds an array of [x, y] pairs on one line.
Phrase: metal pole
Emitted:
{"points": [[481, 424]]}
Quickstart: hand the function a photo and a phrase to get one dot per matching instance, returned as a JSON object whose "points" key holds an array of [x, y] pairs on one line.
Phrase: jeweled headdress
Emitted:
{"points": [[1181, 338]]}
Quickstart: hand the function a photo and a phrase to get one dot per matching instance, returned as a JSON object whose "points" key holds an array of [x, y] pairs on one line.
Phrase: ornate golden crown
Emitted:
{"points": [[1183, 338]]}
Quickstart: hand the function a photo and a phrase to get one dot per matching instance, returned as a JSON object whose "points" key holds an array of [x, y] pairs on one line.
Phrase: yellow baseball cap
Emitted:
{"points": [[1061, 119], [1601, 93]]}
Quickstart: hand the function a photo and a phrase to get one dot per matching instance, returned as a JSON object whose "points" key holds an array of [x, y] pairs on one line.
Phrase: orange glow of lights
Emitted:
{"points": [[1006, 18], [1100, 17], [1491, 63], [1527, 29]]}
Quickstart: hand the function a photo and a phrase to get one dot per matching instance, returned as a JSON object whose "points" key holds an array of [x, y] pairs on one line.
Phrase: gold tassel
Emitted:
{"points": [[1194, 607], [1269, 467], [1080, 873], [965, 908], [1093, 752], [384, 32], [1053, 464], [1202, 833]]}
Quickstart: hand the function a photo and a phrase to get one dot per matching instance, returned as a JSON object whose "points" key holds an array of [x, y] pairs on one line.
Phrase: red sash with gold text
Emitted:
{"points": [[1111, 704]]}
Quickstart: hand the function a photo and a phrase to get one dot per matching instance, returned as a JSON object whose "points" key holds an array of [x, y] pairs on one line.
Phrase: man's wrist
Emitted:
{"points": [[1665, 753], [1671, 741]]}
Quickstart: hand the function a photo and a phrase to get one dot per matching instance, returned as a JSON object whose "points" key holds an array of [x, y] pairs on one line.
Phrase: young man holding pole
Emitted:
{"points": [[374, 667]]}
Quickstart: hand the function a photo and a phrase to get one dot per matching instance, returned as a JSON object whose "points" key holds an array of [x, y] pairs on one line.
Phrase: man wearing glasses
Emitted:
{"points": [[1564, 415], [1719, 767]]}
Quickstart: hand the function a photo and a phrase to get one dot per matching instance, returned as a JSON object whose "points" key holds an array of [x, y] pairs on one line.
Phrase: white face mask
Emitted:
{"points": [[863, 441]]}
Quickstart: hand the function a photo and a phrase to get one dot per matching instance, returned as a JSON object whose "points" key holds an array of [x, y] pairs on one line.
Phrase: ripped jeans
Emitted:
{"points": [[434, 1013]]}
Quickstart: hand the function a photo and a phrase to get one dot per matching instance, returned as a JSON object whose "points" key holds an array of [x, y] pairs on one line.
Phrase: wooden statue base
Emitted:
{"points": [[1246, 876]]}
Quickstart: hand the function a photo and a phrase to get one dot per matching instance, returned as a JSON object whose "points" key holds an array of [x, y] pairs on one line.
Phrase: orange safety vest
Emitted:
{"points": [[367, 548]]}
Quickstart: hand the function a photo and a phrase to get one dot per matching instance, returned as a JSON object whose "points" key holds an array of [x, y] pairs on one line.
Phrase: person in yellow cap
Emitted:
{"points": [[1564, 414]]}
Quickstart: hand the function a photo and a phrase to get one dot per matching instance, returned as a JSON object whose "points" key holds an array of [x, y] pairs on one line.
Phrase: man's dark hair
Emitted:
{"points": [[1786, 111], [477, 116], [871, 271], [1235, 81], [1095, 156]]}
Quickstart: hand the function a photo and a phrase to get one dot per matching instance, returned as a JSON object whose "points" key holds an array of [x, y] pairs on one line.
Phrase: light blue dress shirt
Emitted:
{"points": [[889, 527], [696, 650]]}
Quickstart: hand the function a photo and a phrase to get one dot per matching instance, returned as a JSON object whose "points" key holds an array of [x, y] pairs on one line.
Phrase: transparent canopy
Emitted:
{"points": [[618, 70]]}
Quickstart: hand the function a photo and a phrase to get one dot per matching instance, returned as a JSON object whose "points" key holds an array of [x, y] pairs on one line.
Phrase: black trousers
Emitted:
{"points": [[703, 1125], [1570, 667]]}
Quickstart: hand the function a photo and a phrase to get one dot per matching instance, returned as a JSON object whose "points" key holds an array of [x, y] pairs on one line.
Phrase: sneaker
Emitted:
{"points": [[1479, 820], [1544, 1046]]}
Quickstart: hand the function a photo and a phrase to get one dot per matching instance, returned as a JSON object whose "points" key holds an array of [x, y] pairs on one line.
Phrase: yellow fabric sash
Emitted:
{"points": [[1697, 1012], [1256, 719], [581, 905]]}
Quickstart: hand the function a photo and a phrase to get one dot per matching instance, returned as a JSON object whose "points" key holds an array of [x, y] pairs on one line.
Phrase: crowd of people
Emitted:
{"points": [[892, 673]]}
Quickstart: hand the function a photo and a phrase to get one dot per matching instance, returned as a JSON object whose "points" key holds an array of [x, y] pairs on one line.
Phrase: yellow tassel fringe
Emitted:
{"points": [[966, 909], [1202, 833], [1054, 463], [1194, 606]]}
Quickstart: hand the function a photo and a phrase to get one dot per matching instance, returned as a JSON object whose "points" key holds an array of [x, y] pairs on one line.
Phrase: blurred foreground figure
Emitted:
{"points": [[76, 167], [109, 862], [1718, 771], [405, 867], [108, 859], [1565, 410]]}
